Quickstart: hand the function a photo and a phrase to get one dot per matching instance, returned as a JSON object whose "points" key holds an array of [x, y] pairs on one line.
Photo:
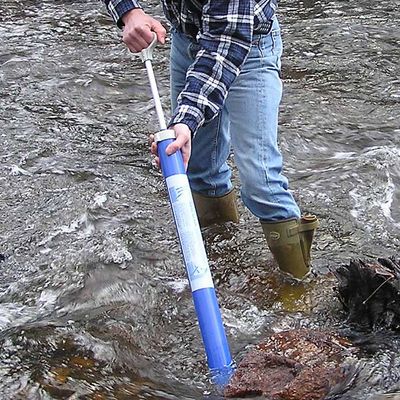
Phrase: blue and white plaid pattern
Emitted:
{"points": [[224, 31]]}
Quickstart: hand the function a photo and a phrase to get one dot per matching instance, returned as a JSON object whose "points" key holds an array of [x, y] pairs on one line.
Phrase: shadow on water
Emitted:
{"points": [[94, 301]]}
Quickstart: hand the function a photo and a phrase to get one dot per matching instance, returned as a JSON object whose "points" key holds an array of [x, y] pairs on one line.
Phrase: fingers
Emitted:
{"points": [[156, 162], [159, 31], [186, 156], [137, 38], [182, 143], [139, 29], [173, 147], [153, 145], [179, 143], [153, 150]]}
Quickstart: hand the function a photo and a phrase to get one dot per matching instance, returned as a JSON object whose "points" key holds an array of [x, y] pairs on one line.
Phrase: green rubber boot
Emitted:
{"points": [[290, 243], [215, 210], [308, 225]]}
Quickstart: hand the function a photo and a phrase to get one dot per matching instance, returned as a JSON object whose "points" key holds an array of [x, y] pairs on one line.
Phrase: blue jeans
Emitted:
{"points": [[249, 123]]}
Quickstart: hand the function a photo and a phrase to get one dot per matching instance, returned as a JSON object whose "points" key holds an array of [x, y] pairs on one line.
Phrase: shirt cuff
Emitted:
{"points": [[188, 115], [118, 8]]}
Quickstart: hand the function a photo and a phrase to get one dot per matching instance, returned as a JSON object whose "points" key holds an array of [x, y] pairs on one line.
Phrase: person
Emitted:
{"points": [[225, 62]]}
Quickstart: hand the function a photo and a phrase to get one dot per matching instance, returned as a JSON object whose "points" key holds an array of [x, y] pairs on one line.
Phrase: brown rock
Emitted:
{"points": [[292, 365]]}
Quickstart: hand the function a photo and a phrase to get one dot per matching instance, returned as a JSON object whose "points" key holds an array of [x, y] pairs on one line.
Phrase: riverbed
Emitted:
{"points": [[94, 300]]}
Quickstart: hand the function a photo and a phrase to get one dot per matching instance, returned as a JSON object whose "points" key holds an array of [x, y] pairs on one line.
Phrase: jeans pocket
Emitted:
{"points": [[271, 45], [270, 48]]}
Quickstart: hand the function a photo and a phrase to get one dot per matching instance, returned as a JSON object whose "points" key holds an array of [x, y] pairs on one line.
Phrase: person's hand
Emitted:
{"points": [[183, 142], [139, 28]]}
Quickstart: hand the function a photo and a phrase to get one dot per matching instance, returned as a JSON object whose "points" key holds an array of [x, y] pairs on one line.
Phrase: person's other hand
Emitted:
{"points": [[183, 142], [139, 28]]}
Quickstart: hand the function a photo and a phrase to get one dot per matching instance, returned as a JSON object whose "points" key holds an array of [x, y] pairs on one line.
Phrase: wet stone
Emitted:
{"points": [[293, 365], [386, 396], [370, 293]]}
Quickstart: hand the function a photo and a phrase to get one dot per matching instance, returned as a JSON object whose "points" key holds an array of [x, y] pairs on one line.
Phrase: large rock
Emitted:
{"points": [[370, 293], [292, 365]]}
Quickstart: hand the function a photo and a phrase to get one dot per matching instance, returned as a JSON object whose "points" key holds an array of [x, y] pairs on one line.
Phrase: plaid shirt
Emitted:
{"points": [[223, 30]]}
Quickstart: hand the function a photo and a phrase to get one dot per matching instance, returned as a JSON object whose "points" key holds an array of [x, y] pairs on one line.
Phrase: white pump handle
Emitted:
{"points": [[147, 53]]}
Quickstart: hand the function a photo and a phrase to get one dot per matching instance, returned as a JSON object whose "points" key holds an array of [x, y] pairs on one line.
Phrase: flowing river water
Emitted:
{"points": [[94, 301]]}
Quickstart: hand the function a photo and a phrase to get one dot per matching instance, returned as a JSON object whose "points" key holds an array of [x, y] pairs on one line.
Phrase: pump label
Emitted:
{"points": [[189, 232]]}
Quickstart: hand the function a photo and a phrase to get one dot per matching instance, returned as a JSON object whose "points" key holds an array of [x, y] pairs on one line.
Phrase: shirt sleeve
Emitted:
{"points": [[225, 41], [117, 8]]}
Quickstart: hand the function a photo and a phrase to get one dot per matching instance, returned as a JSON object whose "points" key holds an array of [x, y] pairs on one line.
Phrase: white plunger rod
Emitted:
{"points": [[146, 56], [156, 97]]}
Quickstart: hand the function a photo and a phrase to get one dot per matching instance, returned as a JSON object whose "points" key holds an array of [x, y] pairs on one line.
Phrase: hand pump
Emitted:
{"points": [[205, 301]]}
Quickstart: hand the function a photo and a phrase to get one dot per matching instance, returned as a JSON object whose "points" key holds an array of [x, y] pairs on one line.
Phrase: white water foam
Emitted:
{"points": [[374, 195]]}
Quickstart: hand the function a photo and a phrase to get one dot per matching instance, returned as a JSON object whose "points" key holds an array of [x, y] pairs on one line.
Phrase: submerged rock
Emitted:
{"points": [[292, 365], [370, 293]]}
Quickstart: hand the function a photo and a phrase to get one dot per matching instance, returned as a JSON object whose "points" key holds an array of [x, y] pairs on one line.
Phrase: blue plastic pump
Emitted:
{"points": [[216, 346]]}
